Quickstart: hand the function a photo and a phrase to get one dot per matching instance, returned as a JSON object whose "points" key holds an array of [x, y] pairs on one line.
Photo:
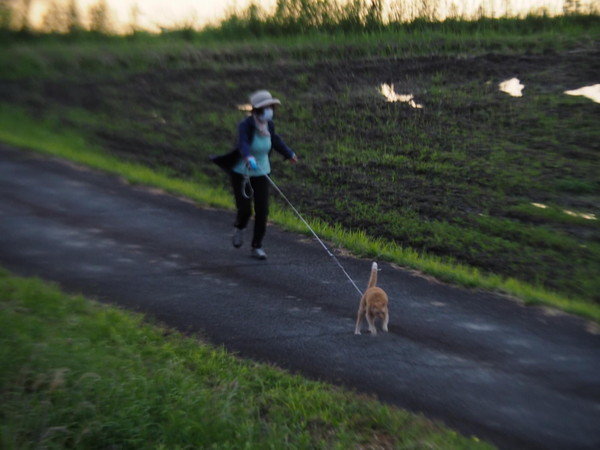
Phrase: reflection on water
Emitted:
{"points": [[512, 87], [591, 92], [587, 216], [387, 90], [582, 215]]}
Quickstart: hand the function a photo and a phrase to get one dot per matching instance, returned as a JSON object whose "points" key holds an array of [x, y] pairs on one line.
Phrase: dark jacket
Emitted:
{"points": [[246, 130]]}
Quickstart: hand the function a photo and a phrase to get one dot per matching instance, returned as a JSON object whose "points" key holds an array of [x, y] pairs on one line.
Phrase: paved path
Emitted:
{"points": [[519, 377]]}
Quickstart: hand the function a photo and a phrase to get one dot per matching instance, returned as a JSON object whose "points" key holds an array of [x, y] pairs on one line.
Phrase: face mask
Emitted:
{"points": [[267, 114]]}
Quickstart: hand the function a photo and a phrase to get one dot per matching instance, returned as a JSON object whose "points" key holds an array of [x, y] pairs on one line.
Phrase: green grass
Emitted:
{"points": [[78, 374], [55, 55], [453, 182], [42, 135], [46, 135], [328, 17]]}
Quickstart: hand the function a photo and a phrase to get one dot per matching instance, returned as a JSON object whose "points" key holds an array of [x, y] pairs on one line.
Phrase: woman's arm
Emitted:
{"points": [[279, 145]]}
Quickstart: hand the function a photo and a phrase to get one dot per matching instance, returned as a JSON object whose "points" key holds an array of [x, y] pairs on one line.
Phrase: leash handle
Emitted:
{"points": [[315, 235], [247, 189]]}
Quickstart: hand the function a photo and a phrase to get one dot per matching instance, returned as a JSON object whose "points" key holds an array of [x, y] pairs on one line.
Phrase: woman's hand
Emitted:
{"points": [[294, 159]]}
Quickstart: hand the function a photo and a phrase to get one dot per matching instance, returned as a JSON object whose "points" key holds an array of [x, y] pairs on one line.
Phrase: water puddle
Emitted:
{"points": [[387, 90], [591, 92], [512, 87], [578, 214], [588, 216], [156, 116]]}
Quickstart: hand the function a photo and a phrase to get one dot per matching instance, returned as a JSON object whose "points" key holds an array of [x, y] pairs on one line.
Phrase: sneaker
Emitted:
{"points": [[238, 237], [259, 253]]}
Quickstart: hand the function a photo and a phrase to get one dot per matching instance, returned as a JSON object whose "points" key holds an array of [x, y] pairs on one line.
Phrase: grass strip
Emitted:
{"points": [[47, 136], [57, 56], [78, 374]]}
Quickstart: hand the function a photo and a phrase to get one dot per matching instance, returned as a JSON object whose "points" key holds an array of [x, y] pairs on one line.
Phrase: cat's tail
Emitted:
{"points": [[373, 277]]}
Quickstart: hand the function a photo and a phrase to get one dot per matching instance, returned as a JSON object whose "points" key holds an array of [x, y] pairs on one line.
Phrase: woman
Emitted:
{"points": [[249, 166]]}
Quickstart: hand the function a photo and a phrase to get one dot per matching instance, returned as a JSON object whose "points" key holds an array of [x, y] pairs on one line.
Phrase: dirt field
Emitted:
{"points": [[457, 178]]}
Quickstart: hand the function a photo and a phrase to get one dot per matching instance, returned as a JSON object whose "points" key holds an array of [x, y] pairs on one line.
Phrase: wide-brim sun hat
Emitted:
{"points": [[262, 99]]}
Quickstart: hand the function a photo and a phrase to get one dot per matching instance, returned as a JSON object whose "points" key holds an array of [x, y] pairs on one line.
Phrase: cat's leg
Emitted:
{"points": [[371, 322], [386, 321], [359, 317], [361, 311]]}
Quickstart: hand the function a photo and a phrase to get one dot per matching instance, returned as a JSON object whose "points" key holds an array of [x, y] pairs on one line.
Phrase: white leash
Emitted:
{"points": [[247, 190], [315, 235]]}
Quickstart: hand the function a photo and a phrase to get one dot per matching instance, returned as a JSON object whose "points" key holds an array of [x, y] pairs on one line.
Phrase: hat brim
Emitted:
{"points": [[269, 102]]}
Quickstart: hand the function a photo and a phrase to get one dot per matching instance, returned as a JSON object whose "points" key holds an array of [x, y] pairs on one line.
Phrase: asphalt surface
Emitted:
{"points": [[520, 377]]}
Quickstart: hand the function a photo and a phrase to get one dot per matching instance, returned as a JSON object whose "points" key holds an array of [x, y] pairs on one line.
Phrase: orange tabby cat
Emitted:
{"points": [[373, 304]]}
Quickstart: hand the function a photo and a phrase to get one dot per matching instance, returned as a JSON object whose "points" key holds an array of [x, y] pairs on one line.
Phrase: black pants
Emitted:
{"points": [[244, 205]]}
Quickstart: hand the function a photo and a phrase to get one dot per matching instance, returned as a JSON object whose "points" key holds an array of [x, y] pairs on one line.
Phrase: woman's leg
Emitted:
{"points": [[243, 205], [261, 209]]}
